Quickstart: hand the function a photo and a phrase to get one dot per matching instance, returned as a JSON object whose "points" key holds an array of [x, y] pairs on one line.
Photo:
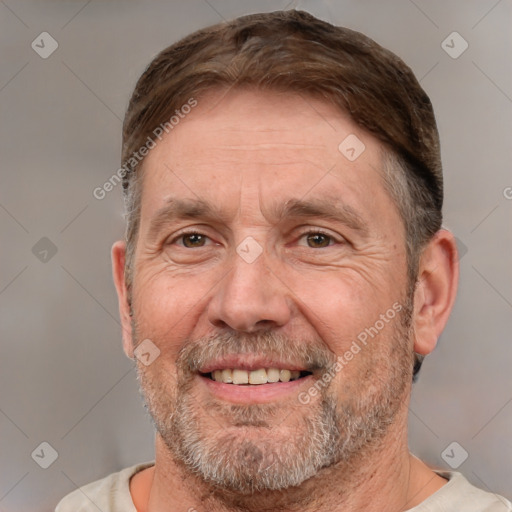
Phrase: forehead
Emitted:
{"points": [[244, 145]]}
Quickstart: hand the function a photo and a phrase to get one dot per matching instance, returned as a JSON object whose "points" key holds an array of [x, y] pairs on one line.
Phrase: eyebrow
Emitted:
{"points": [[181, 209], [328, 208]]}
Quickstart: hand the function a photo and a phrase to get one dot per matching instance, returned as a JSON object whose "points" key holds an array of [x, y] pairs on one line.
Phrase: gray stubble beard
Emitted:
{"points": [[329, 434]]}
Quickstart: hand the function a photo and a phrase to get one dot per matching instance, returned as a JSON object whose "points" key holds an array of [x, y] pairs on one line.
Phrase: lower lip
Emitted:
{"points": [[255, 393]]}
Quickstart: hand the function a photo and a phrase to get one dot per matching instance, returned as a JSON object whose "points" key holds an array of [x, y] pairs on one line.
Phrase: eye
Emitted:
{"points": [[317, 239], [192, 245], [192, 240]]}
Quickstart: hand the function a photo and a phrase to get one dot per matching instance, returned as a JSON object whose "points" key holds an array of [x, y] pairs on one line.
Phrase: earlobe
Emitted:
{"points": [[118, 271], [438, 276]]}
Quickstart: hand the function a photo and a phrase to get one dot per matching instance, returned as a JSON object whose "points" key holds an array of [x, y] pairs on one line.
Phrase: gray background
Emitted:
{"points": [[63, 376]]}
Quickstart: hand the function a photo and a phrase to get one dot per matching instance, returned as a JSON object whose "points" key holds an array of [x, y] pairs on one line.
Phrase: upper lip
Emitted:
{"points": [[249, 362]]}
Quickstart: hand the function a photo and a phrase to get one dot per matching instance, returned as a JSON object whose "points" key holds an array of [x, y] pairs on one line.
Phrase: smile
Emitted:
{"points": [[256, 377]]}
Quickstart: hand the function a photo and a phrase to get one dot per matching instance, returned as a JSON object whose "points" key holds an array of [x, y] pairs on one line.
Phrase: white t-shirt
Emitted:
{"points": [[112, 494]]}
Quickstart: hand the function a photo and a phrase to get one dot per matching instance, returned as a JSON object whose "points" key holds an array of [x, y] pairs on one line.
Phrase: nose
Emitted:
{"points": [[250, 298]]}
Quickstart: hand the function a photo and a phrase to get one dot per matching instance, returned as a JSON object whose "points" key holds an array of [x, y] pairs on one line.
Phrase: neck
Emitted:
{"points": [[389, 480]]}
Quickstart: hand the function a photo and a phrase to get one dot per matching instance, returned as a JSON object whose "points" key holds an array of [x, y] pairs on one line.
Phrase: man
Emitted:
{"points": [[283, 275]]}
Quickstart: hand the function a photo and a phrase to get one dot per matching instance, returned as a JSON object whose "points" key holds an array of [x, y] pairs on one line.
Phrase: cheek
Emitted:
{"points": [[341, 306], [165, 310]]}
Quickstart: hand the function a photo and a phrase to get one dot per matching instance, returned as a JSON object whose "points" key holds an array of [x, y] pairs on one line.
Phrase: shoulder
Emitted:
{"points": [[459, 494], [110, 494]]}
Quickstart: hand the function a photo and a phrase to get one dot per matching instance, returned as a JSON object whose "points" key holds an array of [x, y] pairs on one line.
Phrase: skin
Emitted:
{"points": [[246, 152]]}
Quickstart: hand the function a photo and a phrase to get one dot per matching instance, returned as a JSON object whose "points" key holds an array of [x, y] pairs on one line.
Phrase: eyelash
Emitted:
{"points": [[187, 233], [318, 232]]}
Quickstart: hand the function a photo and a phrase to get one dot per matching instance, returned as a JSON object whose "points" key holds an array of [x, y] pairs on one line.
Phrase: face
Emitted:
{"points": [[265, 254]]}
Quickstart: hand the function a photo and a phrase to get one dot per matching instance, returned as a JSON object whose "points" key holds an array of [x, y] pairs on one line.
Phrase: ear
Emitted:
{"points": [[438, 277], [118, 271]]}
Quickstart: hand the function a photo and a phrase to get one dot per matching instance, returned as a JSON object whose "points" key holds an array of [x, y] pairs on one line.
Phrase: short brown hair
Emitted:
{"points": [[294, 51]]}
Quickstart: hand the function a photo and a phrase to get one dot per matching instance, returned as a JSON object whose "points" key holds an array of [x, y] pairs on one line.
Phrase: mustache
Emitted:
{"points": [[312, 354]]}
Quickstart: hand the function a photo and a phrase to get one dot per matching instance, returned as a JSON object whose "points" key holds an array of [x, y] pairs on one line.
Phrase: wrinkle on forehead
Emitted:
{"points": [[256, 188], [263, 147], [257, 149]]}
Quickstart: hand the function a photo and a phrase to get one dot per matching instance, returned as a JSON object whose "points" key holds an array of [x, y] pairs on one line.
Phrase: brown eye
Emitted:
{"points": [[192, 240], [318, 240]]}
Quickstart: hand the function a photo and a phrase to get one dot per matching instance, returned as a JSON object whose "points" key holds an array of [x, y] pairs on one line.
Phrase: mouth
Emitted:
{"points": [[258, 386], [257, 377]]}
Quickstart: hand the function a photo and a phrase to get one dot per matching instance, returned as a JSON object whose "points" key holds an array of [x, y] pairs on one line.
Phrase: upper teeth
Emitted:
{"points": [[261, 376]]}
